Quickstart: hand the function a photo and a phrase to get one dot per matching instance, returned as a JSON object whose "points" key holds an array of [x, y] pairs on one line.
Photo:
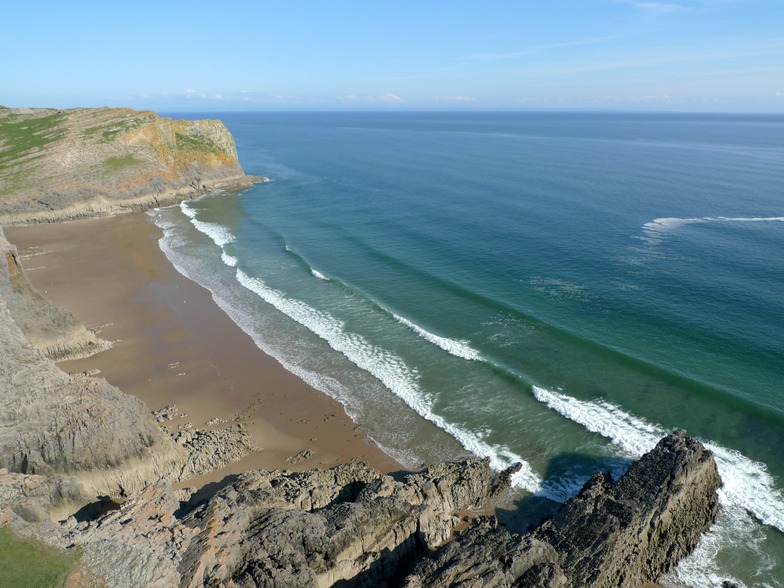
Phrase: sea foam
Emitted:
{"points": [[658, 228], [219, 234], [747, 484], [457, 348], [391, 371], [748, 488], [317, 274]]}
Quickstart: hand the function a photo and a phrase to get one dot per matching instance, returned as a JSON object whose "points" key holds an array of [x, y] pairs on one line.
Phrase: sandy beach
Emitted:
{"points": [[172, 345]]}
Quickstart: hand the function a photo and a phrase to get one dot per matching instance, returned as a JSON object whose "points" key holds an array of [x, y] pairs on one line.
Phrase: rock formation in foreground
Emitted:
{"points": [[612, 534], [88, 162], [351, 526]]}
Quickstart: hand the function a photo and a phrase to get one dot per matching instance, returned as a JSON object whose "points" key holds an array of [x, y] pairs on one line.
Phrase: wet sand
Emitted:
{"points": [[174, 346]]}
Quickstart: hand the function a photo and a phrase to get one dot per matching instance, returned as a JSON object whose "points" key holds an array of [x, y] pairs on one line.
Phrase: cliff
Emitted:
{"points": [[66, 439], [351, 526], [86, 435], [88, 162]]}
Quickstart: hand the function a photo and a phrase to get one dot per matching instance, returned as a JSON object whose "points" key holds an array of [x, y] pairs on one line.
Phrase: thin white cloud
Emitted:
{"points": [[656, 7], [388, 98], [457, 99]]}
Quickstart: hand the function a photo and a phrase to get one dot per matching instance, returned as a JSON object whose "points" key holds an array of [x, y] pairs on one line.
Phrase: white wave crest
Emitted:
{"points": [[229, 260], [747, 484], [392, 371], [453, 346], [748, 488], [318, 274], [219, 234], [658, 228]]}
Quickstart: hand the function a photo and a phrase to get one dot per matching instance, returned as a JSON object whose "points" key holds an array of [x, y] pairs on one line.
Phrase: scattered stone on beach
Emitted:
{"points": [[167, 413], [300, 457], [216, 421]]}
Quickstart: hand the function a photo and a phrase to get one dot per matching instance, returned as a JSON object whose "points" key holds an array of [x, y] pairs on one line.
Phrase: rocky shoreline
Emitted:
{"points": [[85, 467]]}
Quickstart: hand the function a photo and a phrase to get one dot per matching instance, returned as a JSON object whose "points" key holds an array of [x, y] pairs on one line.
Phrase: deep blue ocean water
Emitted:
{"points": [[555, 289]]}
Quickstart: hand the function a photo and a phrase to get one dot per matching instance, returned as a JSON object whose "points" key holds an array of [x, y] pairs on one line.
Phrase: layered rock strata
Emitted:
{"points": [[88, 162], [612, 534], [52, 330], [93, 438], [351, 526], [346, 525]]}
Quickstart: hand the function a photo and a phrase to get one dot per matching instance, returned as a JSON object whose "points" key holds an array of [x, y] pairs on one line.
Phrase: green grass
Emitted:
{"points": [[196, 143], [19, 135], [24, 562], [114, 164], [109, 132]]}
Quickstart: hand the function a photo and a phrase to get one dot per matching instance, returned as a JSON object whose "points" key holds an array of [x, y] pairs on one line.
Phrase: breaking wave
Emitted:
{"points": [[748, 491], [391, 371], [656, 230], [457, 348]]}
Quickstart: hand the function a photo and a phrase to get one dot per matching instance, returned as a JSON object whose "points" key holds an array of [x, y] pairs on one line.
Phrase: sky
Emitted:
{"points": [[172, 56]]}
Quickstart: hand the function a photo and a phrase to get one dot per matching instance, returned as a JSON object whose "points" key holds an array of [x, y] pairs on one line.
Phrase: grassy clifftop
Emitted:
{"points": [[63, 164]]}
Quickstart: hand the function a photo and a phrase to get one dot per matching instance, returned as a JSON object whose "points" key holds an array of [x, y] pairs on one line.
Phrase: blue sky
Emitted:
{"points": [[673, 55]]}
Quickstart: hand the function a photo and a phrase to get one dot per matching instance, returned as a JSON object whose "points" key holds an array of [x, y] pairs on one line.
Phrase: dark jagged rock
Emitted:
{"points": [[347, 524], [631, 532], [351, 526], [609, 535]]}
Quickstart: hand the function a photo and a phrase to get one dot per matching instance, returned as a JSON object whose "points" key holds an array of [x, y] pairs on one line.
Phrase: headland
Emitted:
{"points": [[169, 450]]}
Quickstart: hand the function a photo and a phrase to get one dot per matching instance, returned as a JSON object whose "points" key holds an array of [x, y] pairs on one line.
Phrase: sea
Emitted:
{"points": [[555, 289]]}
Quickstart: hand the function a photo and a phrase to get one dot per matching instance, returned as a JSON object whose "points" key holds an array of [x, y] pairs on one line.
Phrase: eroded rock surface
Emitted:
{"points": [[351, 526], [612, 534]]}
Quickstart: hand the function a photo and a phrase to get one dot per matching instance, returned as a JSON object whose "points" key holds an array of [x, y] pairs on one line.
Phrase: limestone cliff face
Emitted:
{"points": [[55, 423], [52, 330], [87, 162]]}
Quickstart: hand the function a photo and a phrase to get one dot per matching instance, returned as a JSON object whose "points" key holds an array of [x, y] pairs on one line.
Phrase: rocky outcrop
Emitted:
{"points": [[55, 423], [348, 524], [52, 330], [351, 526], [58, 424], [88, 162], [612, 534]]}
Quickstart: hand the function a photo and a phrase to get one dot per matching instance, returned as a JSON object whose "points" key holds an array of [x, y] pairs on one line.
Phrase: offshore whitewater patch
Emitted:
{"points": [[388, 368], [659, 228], [318, 275], [748, 488]]}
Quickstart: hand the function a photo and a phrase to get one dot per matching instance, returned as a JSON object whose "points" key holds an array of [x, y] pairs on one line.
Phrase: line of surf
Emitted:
{"points": [[458, 348], [748, 493], [747, 484], [391, 371], [655, 230]]}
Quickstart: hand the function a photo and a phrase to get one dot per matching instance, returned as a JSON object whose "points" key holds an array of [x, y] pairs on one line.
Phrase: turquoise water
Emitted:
{"points": [[554, 289]]}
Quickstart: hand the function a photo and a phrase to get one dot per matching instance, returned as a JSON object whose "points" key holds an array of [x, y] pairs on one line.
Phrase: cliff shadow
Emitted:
{"points": [[565, 476], [203, 494], [95, 510]]}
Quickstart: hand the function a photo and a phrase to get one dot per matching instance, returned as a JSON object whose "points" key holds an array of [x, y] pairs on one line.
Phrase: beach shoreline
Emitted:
{"points": [[173, 345]]}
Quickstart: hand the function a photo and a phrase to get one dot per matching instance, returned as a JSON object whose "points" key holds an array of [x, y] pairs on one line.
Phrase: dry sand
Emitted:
{"points": [[174, 345]]}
